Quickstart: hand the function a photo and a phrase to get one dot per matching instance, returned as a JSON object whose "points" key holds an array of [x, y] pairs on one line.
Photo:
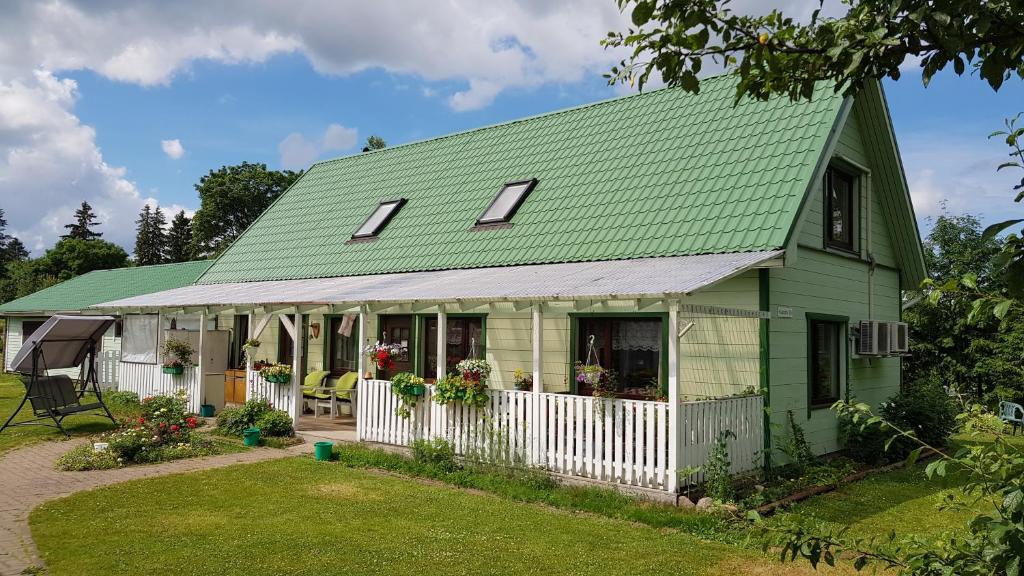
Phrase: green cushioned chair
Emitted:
{"points": [[312, 390], [345, 390]]}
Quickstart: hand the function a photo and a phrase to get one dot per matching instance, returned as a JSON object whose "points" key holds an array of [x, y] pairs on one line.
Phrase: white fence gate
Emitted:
{"points": [[279, 395], [149, 380], [617, 441], [107, 367]]}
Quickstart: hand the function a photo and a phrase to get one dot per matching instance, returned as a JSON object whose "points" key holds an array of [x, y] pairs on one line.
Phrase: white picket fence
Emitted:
{"points": [[617, 441], [279, 395], [149, 380], [107, 367]]}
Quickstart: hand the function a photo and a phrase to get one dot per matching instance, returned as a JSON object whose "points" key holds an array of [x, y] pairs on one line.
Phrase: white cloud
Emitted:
{"points": [[480, 48], [298, 152], [173, 148]]}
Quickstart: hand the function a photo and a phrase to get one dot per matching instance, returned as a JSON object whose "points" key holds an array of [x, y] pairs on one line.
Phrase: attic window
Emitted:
{"points": [[505, 204], [379, 218]]}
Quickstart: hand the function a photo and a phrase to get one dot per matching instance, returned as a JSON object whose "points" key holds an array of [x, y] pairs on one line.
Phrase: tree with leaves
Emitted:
{"points": [[150, 237], [14, 251], [179, 239], [374, 142], [777, 54], [230, 200], [81, 228]]}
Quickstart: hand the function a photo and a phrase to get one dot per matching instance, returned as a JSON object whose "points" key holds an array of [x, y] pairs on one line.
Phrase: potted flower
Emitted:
{"points": [[522, 381], [589, 374], [408, 387], [474, 369], [383, 354], [250, 347], [177, 356], [277, 373]]}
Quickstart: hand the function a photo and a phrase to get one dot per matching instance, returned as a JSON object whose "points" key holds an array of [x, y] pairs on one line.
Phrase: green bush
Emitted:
{"points": [[717, 480], [437, 453], [923, 408], [275, 423], [254, 413], [84, 457]]}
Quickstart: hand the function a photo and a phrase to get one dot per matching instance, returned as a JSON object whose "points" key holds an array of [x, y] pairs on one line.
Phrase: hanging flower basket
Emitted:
{"points": [[174, 369], [384, 355], [277, 373], [474, 369]]}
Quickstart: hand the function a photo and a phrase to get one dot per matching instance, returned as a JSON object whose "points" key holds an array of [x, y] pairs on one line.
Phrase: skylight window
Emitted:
{"points": [[505, 204], [379, 219]]}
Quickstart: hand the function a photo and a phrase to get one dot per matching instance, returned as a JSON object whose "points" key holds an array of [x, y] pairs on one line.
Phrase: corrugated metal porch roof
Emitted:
{"points": [[636, 278]]}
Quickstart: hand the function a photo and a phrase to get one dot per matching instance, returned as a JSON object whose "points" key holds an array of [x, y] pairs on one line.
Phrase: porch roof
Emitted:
{"points": [[618, 279]]}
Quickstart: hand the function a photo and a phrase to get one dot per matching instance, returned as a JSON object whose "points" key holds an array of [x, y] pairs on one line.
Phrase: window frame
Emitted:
{"points": [[853, 206], [531, 183], [285, 352], [398, 202], [842, 326], [574, 330], [328, 345], [420, 367]]}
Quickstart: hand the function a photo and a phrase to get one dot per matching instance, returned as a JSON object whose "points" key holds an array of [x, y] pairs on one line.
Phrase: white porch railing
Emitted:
{"points": [[626, 442], [107, 368], [149, 380], [279, 395]]}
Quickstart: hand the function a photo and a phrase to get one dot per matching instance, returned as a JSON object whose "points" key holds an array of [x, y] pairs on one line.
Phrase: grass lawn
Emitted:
{"points": [[297, 516], [902, 500], [11, 393]]}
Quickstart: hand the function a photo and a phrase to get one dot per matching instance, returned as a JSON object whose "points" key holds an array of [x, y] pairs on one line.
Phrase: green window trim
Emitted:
{"points": [[843, 322], [574, 337], [420, 329], [327, 333]]}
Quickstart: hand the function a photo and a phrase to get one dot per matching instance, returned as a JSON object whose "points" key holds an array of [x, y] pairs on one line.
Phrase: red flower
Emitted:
{"points": [[142, 420], [175, 427], [163, 425]]}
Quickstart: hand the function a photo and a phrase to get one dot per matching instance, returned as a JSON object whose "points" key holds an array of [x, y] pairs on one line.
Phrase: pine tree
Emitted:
{"points": [[85, 219], [14, 251], [179, 239], [150, 237]]}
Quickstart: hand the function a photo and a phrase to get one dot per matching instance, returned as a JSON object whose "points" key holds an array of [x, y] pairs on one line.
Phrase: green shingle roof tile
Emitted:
{"points": [[100, 286], [664, 173]]}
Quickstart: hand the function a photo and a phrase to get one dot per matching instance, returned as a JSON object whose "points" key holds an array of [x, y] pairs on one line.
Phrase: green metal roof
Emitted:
{"points": [[99, 286], [664, 173]]}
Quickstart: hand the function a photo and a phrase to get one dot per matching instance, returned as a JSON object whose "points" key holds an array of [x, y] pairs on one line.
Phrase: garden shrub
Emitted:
{"points": [[794, 445], [437, 453], [254, 414], [923, 408], [84, 457]]}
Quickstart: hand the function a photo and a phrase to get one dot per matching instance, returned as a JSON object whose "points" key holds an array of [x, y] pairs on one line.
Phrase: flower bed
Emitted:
{"points": [[256, 414], [163, 431]]}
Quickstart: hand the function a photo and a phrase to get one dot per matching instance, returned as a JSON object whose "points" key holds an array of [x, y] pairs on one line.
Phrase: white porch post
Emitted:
{"points": [[249, 328], [361, 395], [537, 334], [674, 412], [297, 356], [442, 342], [202, 358]]}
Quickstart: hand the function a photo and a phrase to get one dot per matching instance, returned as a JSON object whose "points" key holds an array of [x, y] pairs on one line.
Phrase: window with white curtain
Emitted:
{"points": [[140, 338]]}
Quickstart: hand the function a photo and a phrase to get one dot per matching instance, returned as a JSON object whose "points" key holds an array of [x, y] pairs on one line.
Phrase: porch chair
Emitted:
{"points": [[345, 391], [1012, 414], [313, 391]]}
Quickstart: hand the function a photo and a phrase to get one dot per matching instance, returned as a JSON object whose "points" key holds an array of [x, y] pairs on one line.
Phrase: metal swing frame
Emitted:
{"points": [[49, 395]]}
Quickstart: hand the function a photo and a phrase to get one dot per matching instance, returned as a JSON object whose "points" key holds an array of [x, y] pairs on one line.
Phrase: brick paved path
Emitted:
{"points": [[27, 479]]}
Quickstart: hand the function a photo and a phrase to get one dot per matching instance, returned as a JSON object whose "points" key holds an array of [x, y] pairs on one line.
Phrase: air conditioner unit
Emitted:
{"points": [[899, 337], [872, 339]]}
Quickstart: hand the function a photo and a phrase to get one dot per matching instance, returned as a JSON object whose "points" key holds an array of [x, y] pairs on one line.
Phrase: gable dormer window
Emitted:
{"points": [[378, 219], [840, 208], [505, 204]]}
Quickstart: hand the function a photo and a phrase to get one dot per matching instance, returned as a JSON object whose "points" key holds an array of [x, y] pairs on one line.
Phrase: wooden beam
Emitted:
{"points": [[674, 413], [203, 341], [537, 334], [359, 403], [442, 344], [288, 326], [297, 362], [260, 326]]}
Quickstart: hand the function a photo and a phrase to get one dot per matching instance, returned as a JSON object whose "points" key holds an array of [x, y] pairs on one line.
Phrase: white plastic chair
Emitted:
{"points": [[1012, 414]]}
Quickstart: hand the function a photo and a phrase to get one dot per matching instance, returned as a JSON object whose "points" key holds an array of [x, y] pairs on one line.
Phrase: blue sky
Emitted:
{"points": [[125, 103]]}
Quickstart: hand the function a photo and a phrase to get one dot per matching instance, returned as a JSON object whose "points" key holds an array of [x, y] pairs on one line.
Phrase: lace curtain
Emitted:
{"points": [[635, 336]]}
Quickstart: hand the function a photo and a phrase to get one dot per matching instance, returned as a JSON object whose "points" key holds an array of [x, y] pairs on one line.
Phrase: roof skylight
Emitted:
{"points": [[505, 204], [379, 218]]}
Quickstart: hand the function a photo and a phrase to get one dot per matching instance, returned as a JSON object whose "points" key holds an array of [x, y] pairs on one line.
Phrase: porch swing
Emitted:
{"points": [[61, 342]]}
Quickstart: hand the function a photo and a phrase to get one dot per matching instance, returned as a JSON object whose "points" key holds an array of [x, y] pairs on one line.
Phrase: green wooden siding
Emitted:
{"points": [[819, 282]]}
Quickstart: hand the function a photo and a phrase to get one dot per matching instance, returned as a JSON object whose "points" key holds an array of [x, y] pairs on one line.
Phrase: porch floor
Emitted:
{"points": [[340, 429]]}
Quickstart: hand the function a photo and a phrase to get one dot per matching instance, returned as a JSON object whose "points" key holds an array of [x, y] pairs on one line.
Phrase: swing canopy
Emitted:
{"points": [[64, 342]]}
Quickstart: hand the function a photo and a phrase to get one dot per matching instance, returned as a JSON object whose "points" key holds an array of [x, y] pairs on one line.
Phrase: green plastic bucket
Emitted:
{"points": [[251, 436], [322, 450], [206, 410]]}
